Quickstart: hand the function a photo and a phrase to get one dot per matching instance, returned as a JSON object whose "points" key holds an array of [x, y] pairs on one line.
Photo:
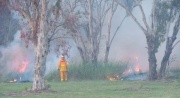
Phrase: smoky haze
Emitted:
{"points": [[15, 54], [130, 42]]}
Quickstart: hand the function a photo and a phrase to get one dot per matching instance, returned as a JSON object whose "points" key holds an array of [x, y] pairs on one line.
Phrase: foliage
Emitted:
{"points": [[166, 13], [174, 74], [88, 72], [129, 4]]}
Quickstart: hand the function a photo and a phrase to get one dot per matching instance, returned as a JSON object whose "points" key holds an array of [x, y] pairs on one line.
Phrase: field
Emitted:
{"points": [[95, 89]]}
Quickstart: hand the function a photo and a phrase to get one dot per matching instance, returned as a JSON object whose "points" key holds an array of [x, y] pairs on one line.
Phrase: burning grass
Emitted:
{"points": [[95, 89]]}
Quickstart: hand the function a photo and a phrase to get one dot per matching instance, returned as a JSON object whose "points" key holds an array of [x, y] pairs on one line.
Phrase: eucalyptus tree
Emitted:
{"points": [[169, 15], [40, 28], [149, 29], [162, 14]]}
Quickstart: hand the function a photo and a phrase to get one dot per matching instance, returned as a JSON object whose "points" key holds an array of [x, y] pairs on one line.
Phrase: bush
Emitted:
{"points": [[174, 74], [53, 76], [89, 72]]}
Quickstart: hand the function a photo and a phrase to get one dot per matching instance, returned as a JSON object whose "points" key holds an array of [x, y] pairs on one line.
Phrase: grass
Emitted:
{"points": [[98, 89], [88, 72]]}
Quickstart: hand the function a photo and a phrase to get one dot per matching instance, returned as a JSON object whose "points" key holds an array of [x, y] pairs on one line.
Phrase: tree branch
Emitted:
{"points": [[153, 26], [143, 15], [133, 17], [116, 31], [176, 44]]}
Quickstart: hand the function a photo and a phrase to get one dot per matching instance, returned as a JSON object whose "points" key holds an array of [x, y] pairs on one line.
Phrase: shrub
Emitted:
{"points": [[88, 72]]}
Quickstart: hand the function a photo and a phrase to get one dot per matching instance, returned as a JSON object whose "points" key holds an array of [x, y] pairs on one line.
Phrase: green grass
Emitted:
{"points": [[98, 89], [88, 72]]}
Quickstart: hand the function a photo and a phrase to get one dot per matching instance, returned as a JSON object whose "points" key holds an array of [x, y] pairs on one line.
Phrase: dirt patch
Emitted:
{"points": [[26, 93]]}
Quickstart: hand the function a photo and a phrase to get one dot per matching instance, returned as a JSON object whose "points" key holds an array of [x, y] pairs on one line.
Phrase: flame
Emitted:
{"points": [[137, 69], [12, 81], [113, 78], [127, 71], [23, 66]]}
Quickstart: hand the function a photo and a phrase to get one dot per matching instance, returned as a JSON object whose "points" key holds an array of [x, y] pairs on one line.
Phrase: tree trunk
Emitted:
{"points": [[94, 57], [81, 54], [106, 55], [93, 37], [41, 53], [165, 59], [169, 48], [151, 57], [108, 37]]}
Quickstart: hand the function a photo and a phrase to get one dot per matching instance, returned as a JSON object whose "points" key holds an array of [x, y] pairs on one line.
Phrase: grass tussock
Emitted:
{"points": [[89, 72]]}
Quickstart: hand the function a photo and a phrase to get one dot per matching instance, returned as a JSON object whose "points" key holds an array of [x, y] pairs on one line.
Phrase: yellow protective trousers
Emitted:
{"points": [[63, 75]]}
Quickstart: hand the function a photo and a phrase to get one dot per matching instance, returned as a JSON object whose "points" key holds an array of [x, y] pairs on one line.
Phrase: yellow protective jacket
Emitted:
{"points": [[63, 65]]}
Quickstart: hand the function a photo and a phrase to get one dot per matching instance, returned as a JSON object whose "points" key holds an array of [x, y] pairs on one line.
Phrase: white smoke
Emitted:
{"points": [[14, 56]]}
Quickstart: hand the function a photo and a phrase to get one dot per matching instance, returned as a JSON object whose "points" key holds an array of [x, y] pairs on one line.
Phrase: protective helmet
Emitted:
{"points": [[62, 57]]}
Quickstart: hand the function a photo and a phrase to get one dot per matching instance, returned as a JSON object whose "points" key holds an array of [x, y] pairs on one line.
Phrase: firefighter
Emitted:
{"points": [[63, 67]]}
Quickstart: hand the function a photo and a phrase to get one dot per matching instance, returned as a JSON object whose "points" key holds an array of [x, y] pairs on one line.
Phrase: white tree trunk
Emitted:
{"points": [[41, 52], [93, 37], [108, 37]]}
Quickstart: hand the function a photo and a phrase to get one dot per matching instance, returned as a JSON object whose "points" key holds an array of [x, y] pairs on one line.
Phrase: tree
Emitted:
{"points": [[35, 17], [109, 34], [155, 33], [85, 26], [150, 31], [171, 16]]}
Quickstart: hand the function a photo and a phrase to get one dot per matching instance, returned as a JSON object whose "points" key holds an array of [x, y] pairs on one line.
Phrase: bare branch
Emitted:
{"points": [[133, 17], [153, 26], [59, 37], [117, 31], [143, 15], [176, 44]]}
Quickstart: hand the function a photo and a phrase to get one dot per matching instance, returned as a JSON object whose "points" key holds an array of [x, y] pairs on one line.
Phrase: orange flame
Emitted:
{"points": [[113, 78], [23, 66], [137, 69], [127, 71]]}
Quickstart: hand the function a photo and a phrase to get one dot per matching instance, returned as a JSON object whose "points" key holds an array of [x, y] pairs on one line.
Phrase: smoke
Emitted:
{"points": [[15, 58], [130, 41]]}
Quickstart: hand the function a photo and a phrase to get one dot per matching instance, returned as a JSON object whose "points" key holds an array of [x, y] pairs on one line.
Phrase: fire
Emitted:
{"points": [[137, 69], [23, 66], [113, 78], [12, 81], [133, 69], [127, 71]]}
